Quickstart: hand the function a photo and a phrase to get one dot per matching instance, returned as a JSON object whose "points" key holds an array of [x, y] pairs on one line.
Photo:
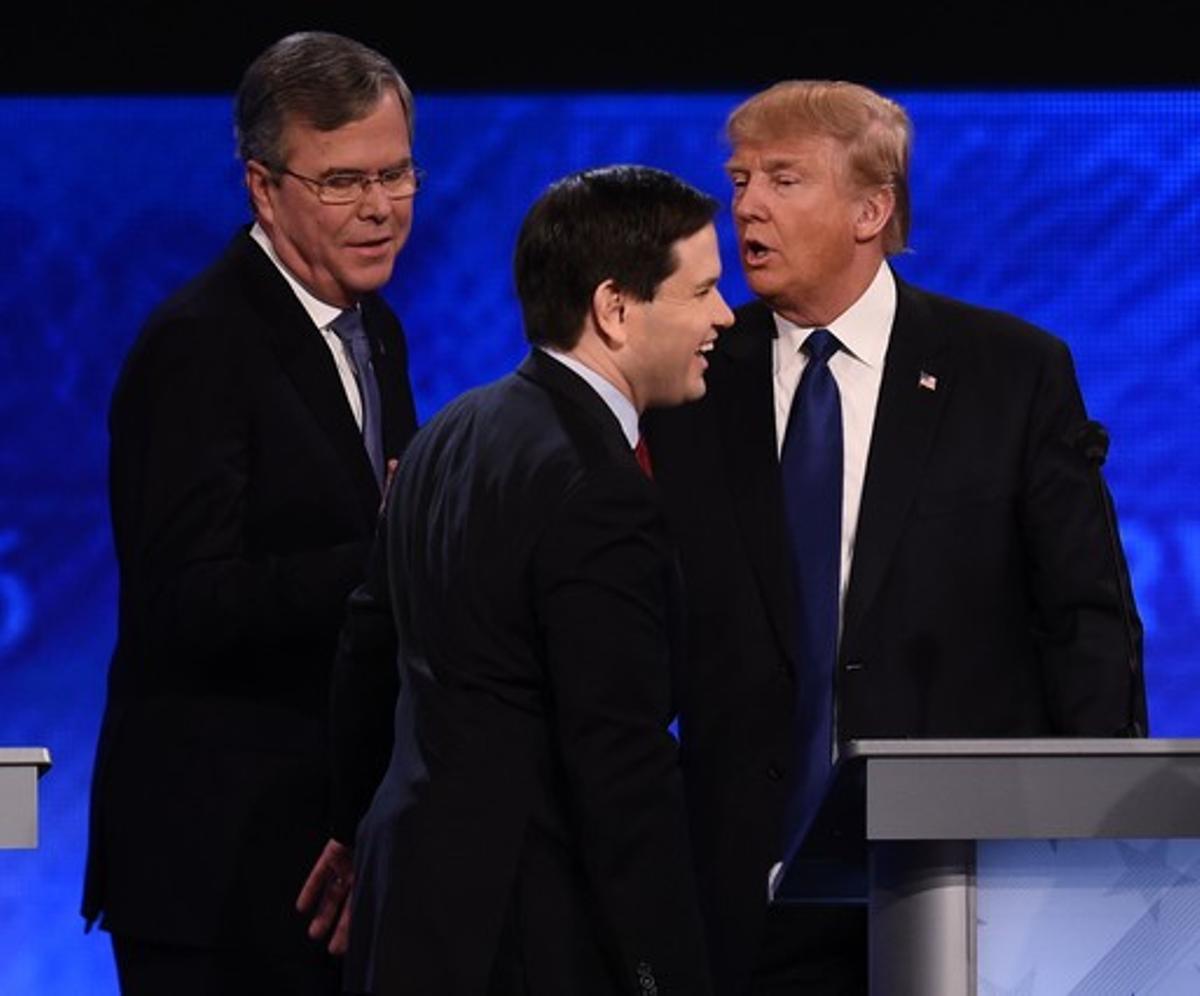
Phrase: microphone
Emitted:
{"points": [[1090, 440]]}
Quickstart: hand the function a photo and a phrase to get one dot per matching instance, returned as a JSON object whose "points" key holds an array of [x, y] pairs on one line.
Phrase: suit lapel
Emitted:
{"points": [[306, 361], [566, 385], [906, 417], [743, 405]]}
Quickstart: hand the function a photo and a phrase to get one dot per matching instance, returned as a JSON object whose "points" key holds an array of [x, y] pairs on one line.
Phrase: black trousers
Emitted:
{"points": [[813, 951], [148, 968]]}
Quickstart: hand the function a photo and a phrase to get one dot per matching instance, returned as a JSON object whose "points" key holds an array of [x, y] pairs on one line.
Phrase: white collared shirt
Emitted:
{"points": [[864, 330], [322, 316]]}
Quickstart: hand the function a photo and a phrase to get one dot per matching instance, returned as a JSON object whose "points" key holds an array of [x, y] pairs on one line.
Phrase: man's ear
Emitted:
{"points": [[875, 210], [608, 312], [261, 186]]}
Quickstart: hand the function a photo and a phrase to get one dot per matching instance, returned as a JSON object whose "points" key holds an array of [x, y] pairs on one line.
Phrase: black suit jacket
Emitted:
{"points": [[529, 835], [984, 594], [243, 504]]}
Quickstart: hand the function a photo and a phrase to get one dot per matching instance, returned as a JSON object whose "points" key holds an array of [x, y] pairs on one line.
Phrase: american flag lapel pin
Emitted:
{"points": [[927, 381]]}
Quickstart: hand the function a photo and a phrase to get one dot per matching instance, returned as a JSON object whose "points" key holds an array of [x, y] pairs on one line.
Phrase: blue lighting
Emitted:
{"points": [[1077, 211]]}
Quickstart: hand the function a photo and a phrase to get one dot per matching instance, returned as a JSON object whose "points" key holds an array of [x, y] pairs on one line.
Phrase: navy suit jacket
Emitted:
{"points": [[529, 835], [243, 505], [984, 598]]}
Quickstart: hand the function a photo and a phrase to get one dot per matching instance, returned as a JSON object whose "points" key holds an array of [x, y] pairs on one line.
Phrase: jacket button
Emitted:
{"points": [[856, 664], [774, 773]]}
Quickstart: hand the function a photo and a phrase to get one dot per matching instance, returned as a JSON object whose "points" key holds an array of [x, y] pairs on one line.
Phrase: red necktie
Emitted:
{"points": [[642, 452]]}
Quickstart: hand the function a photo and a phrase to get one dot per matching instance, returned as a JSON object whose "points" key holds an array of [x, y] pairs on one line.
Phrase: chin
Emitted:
{"points": [[371, 280], [761, 286]]}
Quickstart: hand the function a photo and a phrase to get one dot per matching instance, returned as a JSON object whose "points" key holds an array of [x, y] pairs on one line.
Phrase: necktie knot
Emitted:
{"points": [[820, 345], [348, 326]]}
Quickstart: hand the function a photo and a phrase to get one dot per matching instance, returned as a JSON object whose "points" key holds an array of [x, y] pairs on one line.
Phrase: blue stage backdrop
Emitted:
{"points": [[1077, 211]]}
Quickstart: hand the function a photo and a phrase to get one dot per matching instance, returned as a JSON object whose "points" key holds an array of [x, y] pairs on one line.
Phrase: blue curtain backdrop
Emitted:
{"points": [[1077, 211]]}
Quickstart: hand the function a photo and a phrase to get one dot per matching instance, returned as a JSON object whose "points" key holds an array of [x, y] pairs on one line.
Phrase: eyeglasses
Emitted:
{"points": [[398, 183]]}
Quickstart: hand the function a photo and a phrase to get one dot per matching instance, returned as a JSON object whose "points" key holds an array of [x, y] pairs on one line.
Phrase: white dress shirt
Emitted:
{"points": [[864, 330], [322, 315]]}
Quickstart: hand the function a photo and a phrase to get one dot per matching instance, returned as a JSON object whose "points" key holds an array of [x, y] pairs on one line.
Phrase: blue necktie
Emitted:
{"points": [[811, 464], [348, 327]]}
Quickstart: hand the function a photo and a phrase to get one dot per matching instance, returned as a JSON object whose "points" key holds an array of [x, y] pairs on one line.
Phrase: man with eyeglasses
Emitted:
{"points": [[253, 426]]}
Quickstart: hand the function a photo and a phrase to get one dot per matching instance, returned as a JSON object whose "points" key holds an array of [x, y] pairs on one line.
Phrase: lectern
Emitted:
{"points": [[20, 769], [918, 828]]}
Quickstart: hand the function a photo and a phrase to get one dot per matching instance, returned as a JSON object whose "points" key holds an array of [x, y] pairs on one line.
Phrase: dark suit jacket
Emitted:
{"points": [[983, 598], [243, 505], [529, 835]]}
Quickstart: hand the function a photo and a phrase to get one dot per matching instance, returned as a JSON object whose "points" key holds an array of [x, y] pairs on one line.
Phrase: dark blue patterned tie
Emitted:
{"points": [[811, 463], [348, 327]]}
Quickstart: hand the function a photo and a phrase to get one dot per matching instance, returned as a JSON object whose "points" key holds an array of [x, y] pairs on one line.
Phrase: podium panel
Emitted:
{"points": [[1024, 867], [20, 769], [1088, 917]]}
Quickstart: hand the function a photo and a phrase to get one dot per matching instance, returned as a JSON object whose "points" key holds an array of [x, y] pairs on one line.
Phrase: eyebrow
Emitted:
{"points": [[769, 165], [340, 170]]}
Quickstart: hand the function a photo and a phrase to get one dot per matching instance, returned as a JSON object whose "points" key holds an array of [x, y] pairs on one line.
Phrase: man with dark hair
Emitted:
{"points": [[529, 835], [252, 428], [884, 526]]}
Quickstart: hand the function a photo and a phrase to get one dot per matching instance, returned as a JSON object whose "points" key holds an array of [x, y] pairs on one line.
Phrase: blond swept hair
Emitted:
{"points": [[875, 132]]}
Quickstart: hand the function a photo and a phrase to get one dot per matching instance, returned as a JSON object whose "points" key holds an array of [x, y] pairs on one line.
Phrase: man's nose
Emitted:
{"points": [[374, 203], [748, 201], [724, 317]]}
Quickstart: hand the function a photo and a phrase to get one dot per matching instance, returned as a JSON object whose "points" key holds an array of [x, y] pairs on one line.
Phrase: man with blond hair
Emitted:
{"points": [[887, 521]]}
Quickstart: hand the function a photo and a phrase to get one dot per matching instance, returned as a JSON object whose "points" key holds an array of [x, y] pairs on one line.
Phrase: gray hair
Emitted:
{"points": [[323, 79]]}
